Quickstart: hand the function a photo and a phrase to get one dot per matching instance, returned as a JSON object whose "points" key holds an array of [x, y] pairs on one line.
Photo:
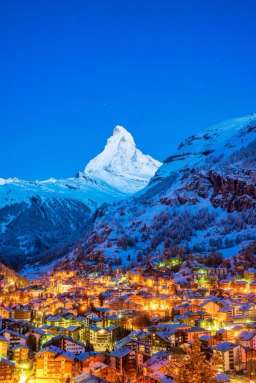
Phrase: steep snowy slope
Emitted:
{"points": [[40, 219], [121, 164], [214, 146], [201, 200], [90, 191]]}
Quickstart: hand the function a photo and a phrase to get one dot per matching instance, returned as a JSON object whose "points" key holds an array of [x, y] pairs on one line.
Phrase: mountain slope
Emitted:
{"points": [[39, 220], [88, 190], [201, 200]]}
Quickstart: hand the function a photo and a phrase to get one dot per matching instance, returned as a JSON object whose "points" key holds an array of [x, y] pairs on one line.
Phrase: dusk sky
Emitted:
{"points": [[71, 70]]}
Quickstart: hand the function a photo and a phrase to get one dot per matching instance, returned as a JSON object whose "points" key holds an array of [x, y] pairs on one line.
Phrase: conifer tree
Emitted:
{"points": [[193, 368]]}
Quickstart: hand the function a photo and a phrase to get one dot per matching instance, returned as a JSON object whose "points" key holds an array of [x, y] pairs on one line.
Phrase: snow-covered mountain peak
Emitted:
{"points": [[121, 164], [122, 133], [6, 181]]}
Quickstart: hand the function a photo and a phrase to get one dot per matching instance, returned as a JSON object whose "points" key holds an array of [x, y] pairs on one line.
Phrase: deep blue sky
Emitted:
{"points": [[71, 70]]}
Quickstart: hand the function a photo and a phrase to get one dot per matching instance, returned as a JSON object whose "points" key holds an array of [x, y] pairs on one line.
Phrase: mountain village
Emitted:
{"points": [[134, 326], [159, 287]]}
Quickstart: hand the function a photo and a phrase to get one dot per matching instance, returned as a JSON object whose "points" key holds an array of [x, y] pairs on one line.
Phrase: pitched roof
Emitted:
{"points": [[246, 335], [121, 352], [225, 346]]}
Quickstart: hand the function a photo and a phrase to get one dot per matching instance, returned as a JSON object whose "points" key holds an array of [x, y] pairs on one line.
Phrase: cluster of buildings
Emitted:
{"points": [[69, 326]]}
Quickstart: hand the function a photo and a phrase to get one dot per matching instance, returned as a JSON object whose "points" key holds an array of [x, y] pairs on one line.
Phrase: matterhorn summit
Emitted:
{"points": [[63, 208], [121, 164]]}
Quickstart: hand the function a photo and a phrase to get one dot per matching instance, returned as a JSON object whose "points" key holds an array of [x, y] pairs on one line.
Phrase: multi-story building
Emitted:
{"points": [[20, 354], [14, 338], [54, 365], [102, 339], [67, 344], [4, 345]]}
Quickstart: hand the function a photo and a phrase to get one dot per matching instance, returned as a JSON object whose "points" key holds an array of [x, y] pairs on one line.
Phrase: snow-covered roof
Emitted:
{"points": [[225, 346]]}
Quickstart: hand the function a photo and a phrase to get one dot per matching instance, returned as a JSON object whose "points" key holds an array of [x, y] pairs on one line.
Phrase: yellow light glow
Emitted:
{"points": [[153, 306], [23, 378]]}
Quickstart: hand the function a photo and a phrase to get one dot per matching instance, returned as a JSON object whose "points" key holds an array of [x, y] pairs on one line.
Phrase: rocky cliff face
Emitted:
{"points": [[231, 193], [228, 192]]}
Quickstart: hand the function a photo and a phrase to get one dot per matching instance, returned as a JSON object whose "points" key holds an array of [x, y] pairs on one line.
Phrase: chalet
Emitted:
{"points": [[76, 332], [195, 332], [217, 309], [212, 306], [233, 356], [14, 338], [24, 313], [124, 361], [66, 343], [87, 359], [247, 339], [152, 342], [19, 326], [102, 339], [53, 364]]}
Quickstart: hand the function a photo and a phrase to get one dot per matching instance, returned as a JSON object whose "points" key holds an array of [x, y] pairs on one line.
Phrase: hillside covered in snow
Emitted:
{"points": [[39, 220], [202, 201]]}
